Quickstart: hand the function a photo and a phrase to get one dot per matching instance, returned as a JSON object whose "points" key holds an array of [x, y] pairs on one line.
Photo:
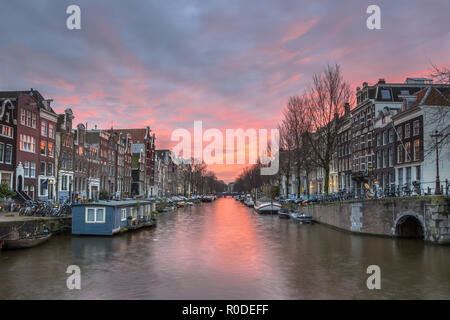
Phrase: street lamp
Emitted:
{"points": [[438, 182]]}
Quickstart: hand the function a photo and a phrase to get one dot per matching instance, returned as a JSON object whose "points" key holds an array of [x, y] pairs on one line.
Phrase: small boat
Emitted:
{"points": [[267, 206], [284, 213], [249, 201], [13, 244], [302, 218]]}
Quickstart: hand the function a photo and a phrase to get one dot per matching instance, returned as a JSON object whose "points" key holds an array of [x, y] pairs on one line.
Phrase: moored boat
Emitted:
{"points": [[13, 244], [249, 201], [267, 206], [284, 213], [302, 218]]}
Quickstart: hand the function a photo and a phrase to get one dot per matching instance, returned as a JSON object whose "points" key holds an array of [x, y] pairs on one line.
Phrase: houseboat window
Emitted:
{"points": [[124, 215], [133, 212], [95, 215]]}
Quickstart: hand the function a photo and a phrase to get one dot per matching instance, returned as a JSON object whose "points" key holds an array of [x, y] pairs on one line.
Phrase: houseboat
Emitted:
{"points": [[111, 217]]}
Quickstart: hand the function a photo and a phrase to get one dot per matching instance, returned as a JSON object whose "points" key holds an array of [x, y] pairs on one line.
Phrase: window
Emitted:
{"points": [[385, 94], [32, 169], [418, 173], [379, 160], [50, 169], [408, 176], [69, 161], [384, 138], [42, 169], [29, 116], [44, 128], [378, 139], [63, 160], [416, 127], [407, 130], [50, 149], [43, 147], [123, 215], [27, 143], [6, 131], [22, 120], [8, 155], [408, 151], [133, 212], [385, 158], [33, 124], [95, 215], [391, 157], [400, 176], [51, 130], [64, 183], [399, 153], [417, 149], [391, 135], [2, 147], [26, 169], [400, 132]]}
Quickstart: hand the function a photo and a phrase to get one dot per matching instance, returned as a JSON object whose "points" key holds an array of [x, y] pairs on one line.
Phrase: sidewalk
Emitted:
{"points": [[17, 218]]}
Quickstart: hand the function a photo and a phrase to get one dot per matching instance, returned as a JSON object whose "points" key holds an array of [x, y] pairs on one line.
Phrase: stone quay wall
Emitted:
{"points": [[384, 216], [31, 224]]}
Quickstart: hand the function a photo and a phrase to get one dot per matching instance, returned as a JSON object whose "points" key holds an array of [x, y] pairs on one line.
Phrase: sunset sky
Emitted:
{"points": [[230, 63]]}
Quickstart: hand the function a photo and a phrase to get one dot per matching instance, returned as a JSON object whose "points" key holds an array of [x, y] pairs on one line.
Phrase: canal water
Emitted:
{"points": [[222, 250]]}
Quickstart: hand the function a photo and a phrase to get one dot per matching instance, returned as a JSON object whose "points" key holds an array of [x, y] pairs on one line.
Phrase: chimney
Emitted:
{"points": [[364, 84], [381, 81], [95, 127], [347, 108]]}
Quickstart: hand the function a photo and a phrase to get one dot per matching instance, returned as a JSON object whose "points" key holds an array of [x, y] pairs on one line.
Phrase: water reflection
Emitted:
{"points": [[222, 250]]}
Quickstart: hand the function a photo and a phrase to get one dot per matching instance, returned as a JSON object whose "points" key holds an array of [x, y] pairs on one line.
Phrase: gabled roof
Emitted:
{"points": [[34, 93], [432, 96], [138, 134]]}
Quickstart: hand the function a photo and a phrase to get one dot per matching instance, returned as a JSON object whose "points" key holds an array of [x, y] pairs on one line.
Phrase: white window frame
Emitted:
{"points": [[133, 213], [123, 214], [95, 214]]}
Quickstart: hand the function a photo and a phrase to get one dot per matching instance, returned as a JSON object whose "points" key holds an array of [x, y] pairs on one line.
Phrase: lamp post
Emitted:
{"points": [[438, 182]]}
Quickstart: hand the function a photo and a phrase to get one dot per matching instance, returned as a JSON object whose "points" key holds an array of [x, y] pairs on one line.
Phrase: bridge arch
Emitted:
{"points": [[409, 226]]}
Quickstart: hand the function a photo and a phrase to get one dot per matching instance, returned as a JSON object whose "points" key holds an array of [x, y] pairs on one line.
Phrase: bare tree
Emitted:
{"points": [[298, 123], [439, 116], [326, 99]]}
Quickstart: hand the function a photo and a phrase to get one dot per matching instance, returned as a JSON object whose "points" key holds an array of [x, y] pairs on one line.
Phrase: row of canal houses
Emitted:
{"points": [[385, 141], [43, 156]]}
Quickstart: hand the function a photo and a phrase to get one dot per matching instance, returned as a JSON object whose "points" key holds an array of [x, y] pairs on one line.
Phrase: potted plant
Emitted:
{"points": [[130, 220]]}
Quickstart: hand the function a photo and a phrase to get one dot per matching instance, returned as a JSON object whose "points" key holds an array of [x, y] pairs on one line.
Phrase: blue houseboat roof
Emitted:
{"points": [[114, 203]]}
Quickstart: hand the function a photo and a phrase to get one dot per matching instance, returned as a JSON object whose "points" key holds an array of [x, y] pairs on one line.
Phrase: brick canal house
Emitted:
{"points": [[371, 100], [384, 150], [99, 140], [8, 126], [64, 158], [80, 163], [421, 115], [344, 152], [46, 164], [138, 169], [145, 138], [123, 168]]}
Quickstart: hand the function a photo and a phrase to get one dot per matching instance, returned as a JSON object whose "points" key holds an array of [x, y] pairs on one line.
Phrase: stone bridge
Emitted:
{"points": [[424, 217]]}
